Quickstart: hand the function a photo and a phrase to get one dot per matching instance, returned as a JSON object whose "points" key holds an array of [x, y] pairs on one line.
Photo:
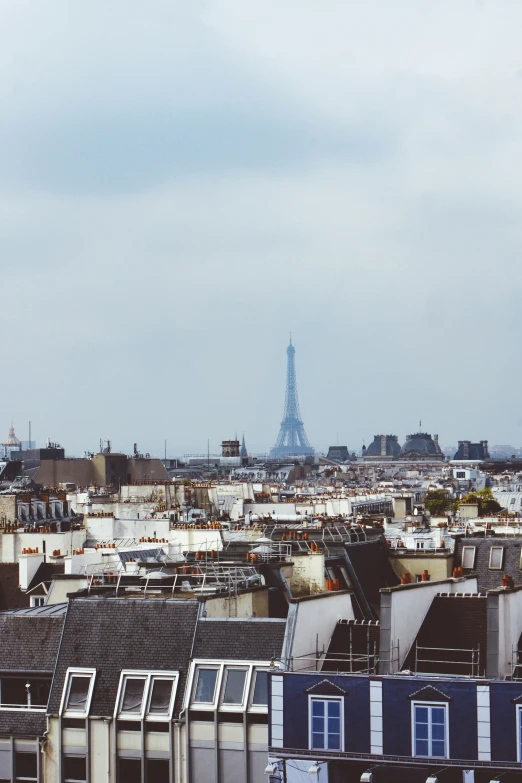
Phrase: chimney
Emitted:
{"points": [[28, 565], [466, 444]]}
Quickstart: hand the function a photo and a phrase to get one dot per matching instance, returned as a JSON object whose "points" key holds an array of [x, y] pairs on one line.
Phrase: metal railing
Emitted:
{"points": [[471, 662]]}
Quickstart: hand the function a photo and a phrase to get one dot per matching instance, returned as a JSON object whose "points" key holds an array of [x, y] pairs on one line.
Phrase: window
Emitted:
{"points": [[74, 769], [205, 686], [161, 696], [24, 692], [430, 730], [146, 695], [77, 694], [228, 686], [419, 544], [25, 767], [325, 724], [468, 556], [461, 474], [37, 600], [260, 697], [132, 698], [234, 686], [496, 556], [158, 770]]}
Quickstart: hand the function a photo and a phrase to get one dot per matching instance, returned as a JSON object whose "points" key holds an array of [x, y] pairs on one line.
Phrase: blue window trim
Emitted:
{"points": [[430, 705], [318, 698]]}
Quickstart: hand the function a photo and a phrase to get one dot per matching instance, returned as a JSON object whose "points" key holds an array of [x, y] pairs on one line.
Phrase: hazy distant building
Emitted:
{"points": [[338, 453], [421, 446], [101, 470], [383, 447], [230, 448], [11, 443], [472, 451]]}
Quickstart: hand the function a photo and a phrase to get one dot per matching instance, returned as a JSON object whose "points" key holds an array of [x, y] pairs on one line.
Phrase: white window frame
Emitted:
{"points": [[496, 568], [444, 706], [519, 732], [317, 697], [149, 677], [250, 667], [474, 551], [261, 708], [77, 672]]}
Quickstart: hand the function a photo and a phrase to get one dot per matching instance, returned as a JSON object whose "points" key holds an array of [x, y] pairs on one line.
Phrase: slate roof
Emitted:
{"points": [[369, 570], [22, 724], [45, 573], [453, 626], [29, 643], [354, 640], [112, 634], [486, 579], [245, 640]]}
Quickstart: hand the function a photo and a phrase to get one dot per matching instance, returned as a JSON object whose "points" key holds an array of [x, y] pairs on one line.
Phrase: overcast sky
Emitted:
{"points": [[184, 183]]}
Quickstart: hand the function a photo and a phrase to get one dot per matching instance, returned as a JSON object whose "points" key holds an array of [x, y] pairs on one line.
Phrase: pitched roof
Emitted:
{"points": [[45, 573], [29, 643], [487, 579], [244, 640], [23, 724], [112, 634], [454, 637], [369, 570]]}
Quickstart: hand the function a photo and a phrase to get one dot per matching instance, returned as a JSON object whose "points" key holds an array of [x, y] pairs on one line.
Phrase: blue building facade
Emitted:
{"points": [[399, 728]]}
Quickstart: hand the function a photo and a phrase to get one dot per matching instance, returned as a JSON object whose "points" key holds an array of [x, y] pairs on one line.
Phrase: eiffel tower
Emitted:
{"points": [[292, 440]]}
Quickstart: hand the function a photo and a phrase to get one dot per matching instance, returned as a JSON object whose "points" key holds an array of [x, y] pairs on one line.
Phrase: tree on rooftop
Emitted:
{"points": [[485, 501], [438, 502]]}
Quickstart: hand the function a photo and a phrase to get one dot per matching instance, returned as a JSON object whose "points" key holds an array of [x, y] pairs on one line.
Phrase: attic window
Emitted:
{"points": [[132, 695], [468, 556], [260, 696], [234, 686], [496, 556], [146, 695], [77, 694], [205, 686]]}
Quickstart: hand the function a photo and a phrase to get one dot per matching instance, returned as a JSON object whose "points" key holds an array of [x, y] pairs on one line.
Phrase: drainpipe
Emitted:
{"points": [[41, 743], [107, 722], [60, 765], [178, 725], [88, 747], [187, 750], [115, 748]]}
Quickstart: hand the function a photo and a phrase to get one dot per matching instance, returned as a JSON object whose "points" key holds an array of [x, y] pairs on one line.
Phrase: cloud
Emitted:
{"points": [[184, 184]]}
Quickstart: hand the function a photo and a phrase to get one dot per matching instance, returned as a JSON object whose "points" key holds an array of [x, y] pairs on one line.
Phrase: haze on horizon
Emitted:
{"points": [[183, 184]]}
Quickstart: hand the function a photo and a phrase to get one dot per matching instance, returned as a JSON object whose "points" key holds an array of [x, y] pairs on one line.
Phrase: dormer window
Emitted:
{"points": [[132, 698], [234, 686], [260, 695], [77, 693], [205, 686], [496, 556], [146, 695], [468, 556], [229, 686]]}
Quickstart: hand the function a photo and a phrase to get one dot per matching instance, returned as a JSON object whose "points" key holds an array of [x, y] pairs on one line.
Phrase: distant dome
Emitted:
{"points": [[11, 439], [421, 444], [384, 446]]}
